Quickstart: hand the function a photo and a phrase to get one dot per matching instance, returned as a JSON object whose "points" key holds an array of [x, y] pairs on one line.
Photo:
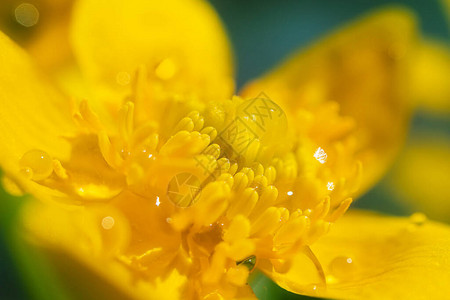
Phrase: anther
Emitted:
{"points": [[59, 169]]}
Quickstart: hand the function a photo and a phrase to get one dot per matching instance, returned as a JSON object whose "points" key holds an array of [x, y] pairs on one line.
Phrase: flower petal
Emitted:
{"points": [[362, 68], [181, 43], [369, 256], [421, 176], [430, 75], [109, 279], [92, 267], [33, 115]]}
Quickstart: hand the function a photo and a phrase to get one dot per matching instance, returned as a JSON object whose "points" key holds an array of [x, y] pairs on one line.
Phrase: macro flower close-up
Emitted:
{"points": [[136, 163]]}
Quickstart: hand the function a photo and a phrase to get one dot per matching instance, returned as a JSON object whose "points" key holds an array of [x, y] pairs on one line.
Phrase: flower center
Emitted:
{"points": [[213, 193]]}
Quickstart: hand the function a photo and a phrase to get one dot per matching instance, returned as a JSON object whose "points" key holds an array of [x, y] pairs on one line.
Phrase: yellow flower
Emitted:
{"points": [[165, 185]]}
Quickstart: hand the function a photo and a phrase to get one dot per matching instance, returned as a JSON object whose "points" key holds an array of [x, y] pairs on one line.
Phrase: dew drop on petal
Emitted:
{"points": [[36, 164], [312, 287], [418, 218], [342, 267]]}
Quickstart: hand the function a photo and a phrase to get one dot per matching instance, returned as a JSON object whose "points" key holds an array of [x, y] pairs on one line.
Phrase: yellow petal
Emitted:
{"points": [[302, 275], [362, 68], [369, 256], [84, 247], [86, 279], [430, 75], [33, 115], [181, 43], [421, 176]]}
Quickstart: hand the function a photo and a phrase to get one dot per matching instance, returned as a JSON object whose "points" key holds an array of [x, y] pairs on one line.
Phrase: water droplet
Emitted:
{"points": [[26, 14], [342, 267], [249, 262], [418, 218], [157, 201], [36, 164], [290, 193], [312, 287], [108, 222], [320, 155]]}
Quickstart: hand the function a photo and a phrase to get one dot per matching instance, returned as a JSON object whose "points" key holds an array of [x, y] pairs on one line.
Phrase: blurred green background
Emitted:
{"points": [[262, 32]]}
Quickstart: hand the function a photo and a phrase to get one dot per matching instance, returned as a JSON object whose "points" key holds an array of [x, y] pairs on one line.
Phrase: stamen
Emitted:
{"points": [[267, 198], [322, 209], [213, 150], [240, 249], [271, 174], [240, 181], [141, 86], [239, 229], [211, 131], [258, 169], [340, 211], [185, 124], [223, 164], [59, 169], [143, 132], [197, 119], [243, 203], [238, 275], [250, 174], [111, 156], [266, 222], [89, 116], [126, 121], [290, 232]]}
